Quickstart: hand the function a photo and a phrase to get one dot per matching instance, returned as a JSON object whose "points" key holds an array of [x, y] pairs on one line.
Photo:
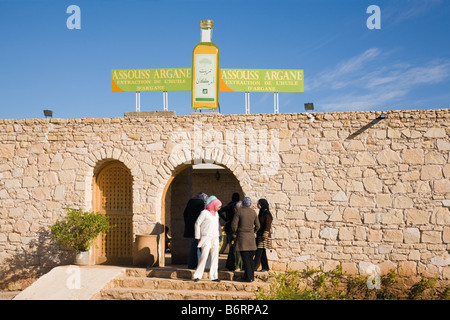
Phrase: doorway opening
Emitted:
{"points": [[185, 184]]}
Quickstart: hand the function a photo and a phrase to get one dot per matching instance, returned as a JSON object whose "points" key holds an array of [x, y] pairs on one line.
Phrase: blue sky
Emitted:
{"points": [[347, 67]]}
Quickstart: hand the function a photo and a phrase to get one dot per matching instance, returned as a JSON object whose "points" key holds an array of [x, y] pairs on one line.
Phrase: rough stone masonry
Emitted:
{"points": [[349, 189]]}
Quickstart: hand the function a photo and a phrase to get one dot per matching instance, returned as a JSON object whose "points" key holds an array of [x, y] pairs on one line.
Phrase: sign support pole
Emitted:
{"points": [[276, 103], [138, 101], [247, 103], [165, 101]]}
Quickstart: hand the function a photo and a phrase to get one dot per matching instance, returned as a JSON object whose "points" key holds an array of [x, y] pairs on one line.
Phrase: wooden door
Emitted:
{"points": [[113, 196]]}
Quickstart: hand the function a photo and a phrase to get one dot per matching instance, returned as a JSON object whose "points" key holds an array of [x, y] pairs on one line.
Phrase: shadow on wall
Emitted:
{"points": [[364, 128], [38, 257]]}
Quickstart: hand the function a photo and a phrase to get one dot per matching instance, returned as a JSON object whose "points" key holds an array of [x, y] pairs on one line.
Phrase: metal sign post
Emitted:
{"points": [[138, 101], [165, 101], [276, 103], [247, 103]]}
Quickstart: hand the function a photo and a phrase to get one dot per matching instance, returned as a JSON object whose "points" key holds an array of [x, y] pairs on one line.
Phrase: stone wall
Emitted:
{"points": [[347, 188]]}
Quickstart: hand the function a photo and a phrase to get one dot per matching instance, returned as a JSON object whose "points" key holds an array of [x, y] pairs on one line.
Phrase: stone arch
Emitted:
{"points": [[170, 168], [175, 164], [92, 163]]}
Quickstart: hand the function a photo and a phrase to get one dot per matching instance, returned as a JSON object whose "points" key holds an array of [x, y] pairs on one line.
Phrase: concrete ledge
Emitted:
{"points": [[70, 283], [150, 114], [8, 295]]}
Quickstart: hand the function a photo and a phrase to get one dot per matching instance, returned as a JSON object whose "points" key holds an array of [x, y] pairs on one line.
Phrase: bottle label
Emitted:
{"points": [[205, 78]]}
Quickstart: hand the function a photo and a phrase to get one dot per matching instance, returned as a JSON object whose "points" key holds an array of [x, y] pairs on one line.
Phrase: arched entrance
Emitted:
{"points": [[186, 183], [113, 196]]}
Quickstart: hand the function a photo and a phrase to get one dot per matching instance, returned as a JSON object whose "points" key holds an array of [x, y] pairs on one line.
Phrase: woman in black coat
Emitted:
{"points": [[263, 240], [245, 223]]}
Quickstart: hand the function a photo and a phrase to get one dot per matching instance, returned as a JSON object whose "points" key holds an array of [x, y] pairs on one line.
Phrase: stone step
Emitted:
{"points": [[177, 284], [188, 274], [166, 294]]}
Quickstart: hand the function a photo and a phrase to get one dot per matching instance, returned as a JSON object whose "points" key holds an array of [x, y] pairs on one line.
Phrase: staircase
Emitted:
{"points": [[176, 284]]}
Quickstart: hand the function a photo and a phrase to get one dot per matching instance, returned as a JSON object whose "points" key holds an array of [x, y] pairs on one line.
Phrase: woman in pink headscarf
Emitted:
{"points": [[207, 231]]}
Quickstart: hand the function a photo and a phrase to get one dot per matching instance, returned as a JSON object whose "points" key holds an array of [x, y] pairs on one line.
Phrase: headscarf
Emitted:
{"points": [[264, 208], [235, 197], [246, 202], [211, 207], [211, 198], [202, 196]]}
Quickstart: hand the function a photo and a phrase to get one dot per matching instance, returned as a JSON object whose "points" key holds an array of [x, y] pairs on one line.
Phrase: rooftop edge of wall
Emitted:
{"points": [[152, 116]]}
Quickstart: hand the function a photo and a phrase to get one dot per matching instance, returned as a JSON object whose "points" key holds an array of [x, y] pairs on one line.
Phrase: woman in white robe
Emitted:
{"points": [[207, 232]]}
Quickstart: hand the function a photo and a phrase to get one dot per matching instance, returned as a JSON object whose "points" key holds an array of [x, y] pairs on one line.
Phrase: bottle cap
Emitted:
{"points": [[206, 24]]}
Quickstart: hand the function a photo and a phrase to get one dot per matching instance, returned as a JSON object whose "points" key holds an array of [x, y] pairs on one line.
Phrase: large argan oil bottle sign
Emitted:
{"points": [[205, 70], [205, 77]]}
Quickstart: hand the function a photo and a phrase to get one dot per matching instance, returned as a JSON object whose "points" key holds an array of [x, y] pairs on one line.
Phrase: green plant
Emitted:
{"points": [[389, 289], [285, 286], [418, 290], [315, 284], [311, 284], [77, 230], [356, 287], [445, 294]]}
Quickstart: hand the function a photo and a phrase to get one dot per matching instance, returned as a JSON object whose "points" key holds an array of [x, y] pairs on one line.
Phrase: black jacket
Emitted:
{"points": [[191, 213], [229, 210]]}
